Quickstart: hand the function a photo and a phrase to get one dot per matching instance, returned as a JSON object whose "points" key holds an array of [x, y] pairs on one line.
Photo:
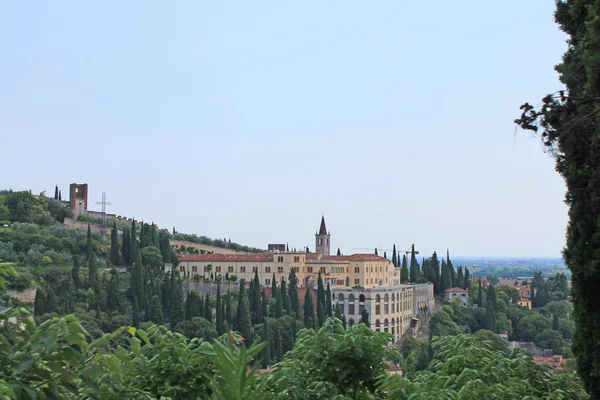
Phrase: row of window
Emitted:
{"points": [[218, 268]]}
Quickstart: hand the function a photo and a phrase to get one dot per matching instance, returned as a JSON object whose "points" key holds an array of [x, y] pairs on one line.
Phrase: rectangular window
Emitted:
{"points": [[181, 268], [322, 270], [357, 281], [267, 269], [267, 281], [279, 258], [242, 269], [357, 270], [255, 269], [230, 268], [280, 269], [296, 259], [218, 268], [297, 269], [206, 268]]}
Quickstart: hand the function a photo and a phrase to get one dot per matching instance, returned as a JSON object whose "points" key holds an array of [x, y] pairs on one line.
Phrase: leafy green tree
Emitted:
{"points": [[404, 274], [177, 306], [339, 253], [93, 274], [293, 293], [228, 311], [152, 259], [309, 310], [278, 304], [136, 278], [133, 248], [480, 294], [414, 265], [266, 338], [39, 303], [125, 243], [193, 306], [466, 284], [165, 247], [321, 316], [115, 257], [113, 296]]}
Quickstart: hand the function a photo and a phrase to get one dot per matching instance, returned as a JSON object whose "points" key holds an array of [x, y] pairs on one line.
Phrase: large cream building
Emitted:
{"points": [[357, 281]]}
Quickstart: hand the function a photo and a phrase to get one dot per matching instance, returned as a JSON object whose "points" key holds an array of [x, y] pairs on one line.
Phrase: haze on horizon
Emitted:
{"points": [[249, 120]]}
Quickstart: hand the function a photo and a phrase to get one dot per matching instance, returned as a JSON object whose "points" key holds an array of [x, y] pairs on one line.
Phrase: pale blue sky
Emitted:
{"points": [[249, 119]]}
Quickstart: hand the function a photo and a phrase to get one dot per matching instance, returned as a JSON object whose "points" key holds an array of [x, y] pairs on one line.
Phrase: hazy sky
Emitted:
{"points": [[247, 119]]}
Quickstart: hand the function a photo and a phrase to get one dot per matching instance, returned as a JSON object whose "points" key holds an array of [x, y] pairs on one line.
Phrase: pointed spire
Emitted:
{"points": [[323, 229]]}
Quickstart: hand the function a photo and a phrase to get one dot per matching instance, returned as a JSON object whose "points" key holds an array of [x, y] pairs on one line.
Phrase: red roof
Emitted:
{"points": [[256, 257], [554, 361], [456, 290]]}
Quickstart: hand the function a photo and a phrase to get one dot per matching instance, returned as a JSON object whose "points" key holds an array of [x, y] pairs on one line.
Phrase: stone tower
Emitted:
{"points": [[322, 239], [78, 196]]}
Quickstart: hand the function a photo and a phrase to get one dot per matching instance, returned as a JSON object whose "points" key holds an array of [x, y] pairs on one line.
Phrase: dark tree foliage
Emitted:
{"points": [[328, 302], [293, 293], [75, 272], [136, 313], [285, 299], [321, 315], [207, 309], [467, 283], [115, 257], [89, 250], [133, 248], [364, 317], [309, 311], [394, 256], [404, 274], [339, 253], [136, 278], [568, 122], [156, 314], [414, 266], [460, 279], [244, 322], [436, 278], [490, 309]]}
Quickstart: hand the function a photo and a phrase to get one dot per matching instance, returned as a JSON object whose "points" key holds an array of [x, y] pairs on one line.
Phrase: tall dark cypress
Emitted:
{"points": [[125, 242], [414, 265], [321, 316], [274, 286], [219, 319], [133, 248], [136, 278], [156, 314], [467, 281], [328, 306], [394, 257], [278, 304], [177, 307], [490, 310], [480, 295], [93, 276], [285, 300], [115, 258], [136, 313], [376, 251], [339, 253], [293, 294], [228, 311], [244, 323], [55, 192], [241, 294], [437, 278], [266, 337], [75, 272], [404, 276], [88, 248], [207, 309], [309, 311], [254, 299], [460, 279]]}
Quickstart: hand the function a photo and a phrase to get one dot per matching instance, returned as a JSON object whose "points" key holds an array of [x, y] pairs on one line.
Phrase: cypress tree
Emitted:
{"points": [[339, 253], [228, 311], [136, 278], [414, 265], [466, 284], [93, 275], [555, 323], [364, 317], [255, 303], [201, 306], [55, 192], [136, 313], [394, 257], [480, 294], [177, 310], [154, 236], [321, 316], [278, 305], [404, 275], [125, 243], [244, 323], [384, 255], [241, 294], [220, 327], [165, 247], [344, 324], [112, 293], [285, 299], [88, 247], [437, 278], [60, 195], [115, 259], [192, 305], [142, 235], [309, 311], [293, 293], [328, 306], [376, 251], [39, 303], [133, 248], [274, 287], [156, 314], [490, 310], [337, 314], [350, 322], [460, 279], [207, 309], [75, 272], [266, 337], [264, 304], [446, 278]]}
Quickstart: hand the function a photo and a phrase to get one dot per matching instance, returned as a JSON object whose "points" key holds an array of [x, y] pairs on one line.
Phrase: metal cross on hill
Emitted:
{"points": [[104, 203]]}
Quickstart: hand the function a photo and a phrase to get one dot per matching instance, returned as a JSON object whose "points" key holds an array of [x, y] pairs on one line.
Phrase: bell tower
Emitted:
{"points": [[322, 239]]}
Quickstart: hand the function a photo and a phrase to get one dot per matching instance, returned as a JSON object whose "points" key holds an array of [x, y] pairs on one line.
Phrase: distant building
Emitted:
{"points": [[554, 362], [457, 293], [525, 302], [358, 281], [78, 196], [276, 247]]}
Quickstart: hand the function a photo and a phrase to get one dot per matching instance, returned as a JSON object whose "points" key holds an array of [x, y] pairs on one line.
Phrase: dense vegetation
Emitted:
{"points": [[569, 125], [58, 360]]}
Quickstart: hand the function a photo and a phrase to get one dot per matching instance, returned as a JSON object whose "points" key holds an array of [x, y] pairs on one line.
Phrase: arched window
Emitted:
{"points": [[377, 304], [361, 303], [351, 304], [393, 303], [386, 304], [377, 326], [341, 303], [347, 281], [386, 326]]}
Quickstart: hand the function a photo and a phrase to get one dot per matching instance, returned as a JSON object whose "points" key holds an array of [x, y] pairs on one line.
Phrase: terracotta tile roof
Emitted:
{"points": [[524, 299], [256, 257], [554, 361], [456, 290]]}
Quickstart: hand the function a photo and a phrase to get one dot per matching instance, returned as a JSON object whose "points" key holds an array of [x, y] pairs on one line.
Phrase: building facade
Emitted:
{"points": [[357, 281], [457, 293]]}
